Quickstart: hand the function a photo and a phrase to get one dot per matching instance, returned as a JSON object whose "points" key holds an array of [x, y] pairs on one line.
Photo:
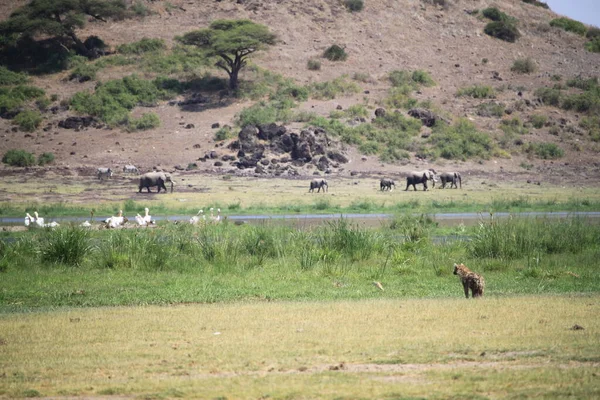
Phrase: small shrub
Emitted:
{"points": [[143, 46], [45, 158], [492, 109], [549, 96], [494, 14], [537, 3], [362, 77], [593, 33], [313, 65], [18, 158], [502, 30], [223, 133], [145, 122], [484, 61], [524, 66], [593, 46], [422, 77], [582, 83], [28, 121], [544, 150], [335, 53], [354, 5], [140, 9], [331, 89], [569, 25], [556, 78], [477, 92], [84, 73], [538, 121]]}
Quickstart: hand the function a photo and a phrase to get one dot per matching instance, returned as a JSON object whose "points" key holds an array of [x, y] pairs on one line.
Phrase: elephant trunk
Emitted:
{"points": [[172, 183]]}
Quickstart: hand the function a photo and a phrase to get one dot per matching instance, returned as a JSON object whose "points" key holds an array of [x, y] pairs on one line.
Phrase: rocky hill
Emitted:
{"points": [[493, 84]]}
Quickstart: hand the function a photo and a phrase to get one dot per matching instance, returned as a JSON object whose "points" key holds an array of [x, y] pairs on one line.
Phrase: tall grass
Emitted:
{"points": [[516, 238]]}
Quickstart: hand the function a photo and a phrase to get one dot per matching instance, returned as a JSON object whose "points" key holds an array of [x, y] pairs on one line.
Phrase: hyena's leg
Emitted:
{"points": [[466, 287]]}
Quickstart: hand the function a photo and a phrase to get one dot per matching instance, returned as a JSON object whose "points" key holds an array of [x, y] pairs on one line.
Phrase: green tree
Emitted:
{"points": [[233, 41], [58, 19]]}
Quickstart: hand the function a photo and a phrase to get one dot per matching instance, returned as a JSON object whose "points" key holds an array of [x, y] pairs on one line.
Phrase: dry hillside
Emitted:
{"points": [[447, 42]]}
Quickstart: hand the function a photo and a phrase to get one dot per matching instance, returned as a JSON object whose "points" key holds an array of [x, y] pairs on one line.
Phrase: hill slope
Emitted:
{"points": [[446, 42]]}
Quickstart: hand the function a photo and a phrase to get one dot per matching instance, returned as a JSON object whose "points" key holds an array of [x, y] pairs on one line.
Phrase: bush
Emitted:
{"points": [[461, 141], [477, 92], [28, 121], [537, 3], [549, 96], [313, 65], [335, 53], [490, 109], [331, 89], [223, 133], [503, 30], [143, 46], [18, 158], [354, 5], [45, 158], [524, 66], [145, 122], [546, 151], [593, 33], [422, 77], [593, 46], [84, 73], [11, 98], [569, 25], [538, 121], [8, 77], [494, 14]]}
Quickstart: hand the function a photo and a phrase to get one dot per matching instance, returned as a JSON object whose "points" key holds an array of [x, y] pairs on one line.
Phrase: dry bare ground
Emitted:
{"points": [[387, 35]]}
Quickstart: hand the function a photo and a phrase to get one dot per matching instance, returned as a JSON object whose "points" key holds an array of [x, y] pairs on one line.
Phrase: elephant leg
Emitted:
{"points": [[148, 188]]}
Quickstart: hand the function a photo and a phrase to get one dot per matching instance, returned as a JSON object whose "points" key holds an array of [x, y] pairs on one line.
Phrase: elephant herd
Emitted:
{"points": [[413, 179]]}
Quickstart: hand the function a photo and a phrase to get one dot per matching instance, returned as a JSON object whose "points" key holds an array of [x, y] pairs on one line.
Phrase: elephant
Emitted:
{"points": [[451, 177], [318, 184], [386, 184], [155, 178], [415, 177]]}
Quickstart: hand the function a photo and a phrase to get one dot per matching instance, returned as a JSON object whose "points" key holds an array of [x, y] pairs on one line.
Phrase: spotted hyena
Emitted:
{"points": [[470, 280]]}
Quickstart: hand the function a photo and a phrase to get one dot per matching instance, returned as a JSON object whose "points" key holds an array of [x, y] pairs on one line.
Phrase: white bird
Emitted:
{"points": [[196, 218], [52, 224], [38, 220], [28, 219], [140, 220], [147, 217], [218, 217], [212, 215], [86, 224], [116, 221]]}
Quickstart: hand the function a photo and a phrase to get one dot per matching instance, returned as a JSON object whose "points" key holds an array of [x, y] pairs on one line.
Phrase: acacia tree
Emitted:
{"points": [[233, 41], [58, 19]]}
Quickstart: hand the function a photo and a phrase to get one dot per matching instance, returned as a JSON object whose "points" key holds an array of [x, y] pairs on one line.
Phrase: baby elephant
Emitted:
{"points": [[386, 184]]}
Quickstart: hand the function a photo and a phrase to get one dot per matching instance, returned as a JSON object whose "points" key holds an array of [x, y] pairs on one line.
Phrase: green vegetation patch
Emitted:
{"points": [[13, 97], [18, 158], [537, 3], [495, 15], [145, 122], [503, 30], [8, 77], [354, 5], [335, 53], [112, 101], [143, 46], [461, 141], [524, 66], [569, 25], [28, 120], [544, 150], [331, 89], [477, 92]]}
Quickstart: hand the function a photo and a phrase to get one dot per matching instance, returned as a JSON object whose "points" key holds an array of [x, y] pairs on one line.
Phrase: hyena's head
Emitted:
{"points": [[456, 268]]}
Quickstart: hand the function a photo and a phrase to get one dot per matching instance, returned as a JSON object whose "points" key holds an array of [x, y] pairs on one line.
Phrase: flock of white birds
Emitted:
{"points": [[119, 220]]}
